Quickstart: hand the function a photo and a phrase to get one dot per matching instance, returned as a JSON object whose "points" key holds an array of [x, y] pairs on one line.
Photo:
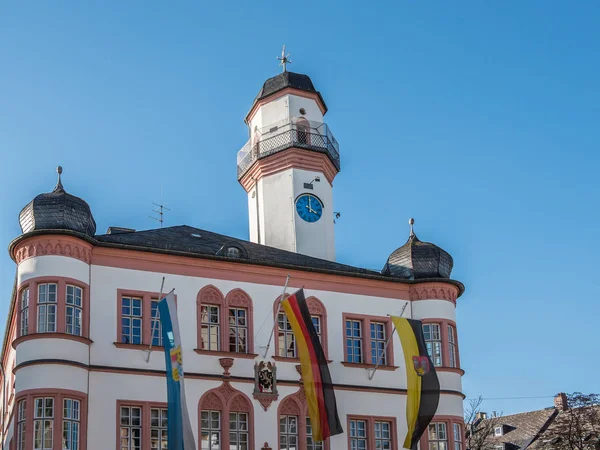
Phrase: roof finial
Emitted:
{"points": [[284, 59], [411, 222], [59, 186]]}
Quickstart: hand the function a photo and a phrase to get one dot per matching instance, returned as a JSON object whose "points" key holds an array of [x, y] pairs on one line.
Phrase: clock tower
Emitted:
{"points": [[288, 165]]}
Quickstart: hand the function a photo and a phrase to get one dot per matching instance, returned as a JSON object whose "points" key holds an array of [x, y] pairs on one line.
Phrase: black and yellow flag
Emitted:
{"points": [[318, 387], [422, 384]]}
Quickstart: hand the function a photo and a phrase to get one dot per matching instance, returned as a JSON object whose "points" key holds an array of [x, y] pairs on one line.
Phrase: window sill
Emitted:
{"points": [[138, 346], [450, 369], [368, 366], [291, 360], [226, 354], [32, 336]]}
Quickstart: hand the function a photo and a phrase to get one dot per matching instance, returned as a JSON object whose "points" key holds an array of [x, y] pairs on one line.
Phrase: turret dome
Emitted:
{"points": [[418, 260], [58, 210]]}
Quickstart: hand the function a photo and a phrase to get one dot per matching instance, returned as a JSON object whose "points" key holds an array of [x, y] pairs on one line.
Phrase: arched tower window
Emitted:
{"points": [[302, 131]]}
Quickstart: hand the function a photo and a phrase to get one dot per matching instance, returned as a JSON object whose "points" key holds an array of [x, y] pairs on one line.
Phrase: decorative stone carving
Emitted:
{"points": [[433, 292], [265, 383], [210, 294], [266, 446], [226, 364], [53, 245], [239, 404], [315, 306], [212, 402], [238, 298]]}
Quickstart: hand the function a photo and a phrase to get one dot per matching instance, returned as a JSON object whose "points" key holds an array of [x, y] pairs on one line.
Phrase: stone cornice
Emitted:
{"points": [[67, 246], [434, 291], [293, 158]]}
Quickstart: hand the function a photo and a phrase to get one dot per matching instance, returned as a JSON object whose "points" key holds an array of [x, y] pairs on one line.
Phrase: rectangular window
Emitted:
{"points": [[288, 433], [452, 346], [131, 428], [43, 423], [21, 420], [71, 420], [378, 339], [156, 326], [131, 320], [238, 431], [73, 310], [211, 430], [457, 437], [316, 320], [285, 335], [433, 341], [211, 328], [24, 311], [438, 438], [158, 429], [383, 435], [46, 322], [354, 341], [358, 435], [311, 444], [238, 330]]}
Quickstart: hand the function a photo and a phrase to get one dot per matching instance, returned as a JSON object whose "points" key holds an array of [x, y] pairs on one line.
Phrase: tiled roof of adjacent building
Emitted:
{"points": [[520, 430]]}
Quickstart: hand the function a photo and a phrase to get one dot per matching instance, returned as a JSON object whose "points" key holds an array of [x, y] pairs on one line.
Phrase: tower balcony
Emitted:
{"points": [[286, 134]]}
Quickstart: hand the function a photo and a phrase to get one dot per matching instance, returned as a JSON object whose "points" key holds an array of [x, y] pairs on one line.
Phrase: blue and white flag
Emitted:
{"points": [[180, 435]]}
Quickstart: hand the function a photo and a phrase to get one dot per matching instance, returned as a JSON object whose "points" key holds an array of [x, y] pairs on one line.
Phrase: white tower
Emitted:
{"points": [[288, 166]]}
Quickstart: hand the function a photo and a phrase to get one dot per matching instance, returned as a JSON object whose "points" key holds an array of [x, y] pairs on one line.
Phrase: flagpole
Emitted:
{"points": [[277, 315], [380, 357], [149, 351]]}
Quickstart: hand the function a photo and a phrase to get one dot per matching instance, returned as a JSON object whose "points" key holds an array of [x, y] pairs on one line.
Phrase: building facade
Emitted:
{"points": [[82, 354]]}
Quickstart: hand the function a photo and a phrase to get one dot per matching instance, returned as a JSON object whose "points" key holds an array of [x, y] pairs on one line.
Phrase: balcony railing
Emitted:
{"points": [[313, 136]]}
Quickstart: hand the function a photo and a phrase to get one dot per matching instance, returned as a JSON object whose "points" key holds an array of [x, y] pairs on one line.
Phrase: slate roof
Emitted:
{"points": [[285, 80], [190, 240], [522, 429], [58, 210], [417, 260]]}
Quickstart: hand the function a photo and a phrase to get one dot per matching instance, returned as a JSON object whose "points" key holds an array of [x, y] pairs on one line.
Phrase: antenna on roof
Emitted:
{"points": [[160, 212]]}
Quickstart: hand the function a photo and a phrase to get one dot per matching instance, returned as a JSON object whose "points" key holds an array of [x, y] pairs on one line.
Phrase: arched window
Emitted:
{"points": [[295, 430], [302, 131], [225, 324], [285, 344], [226, 420], [209, 311]]}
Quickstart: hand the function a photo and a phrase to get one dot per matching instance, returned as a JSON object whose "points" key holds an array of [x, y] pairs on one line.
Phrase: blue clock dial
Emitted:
{"points": [[309, 208]]}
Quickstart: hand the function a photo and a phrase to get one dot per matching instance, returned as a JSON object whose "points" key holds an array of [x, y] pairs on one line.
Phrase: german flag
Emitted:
{"points": [[318, 388], [422, 384]]}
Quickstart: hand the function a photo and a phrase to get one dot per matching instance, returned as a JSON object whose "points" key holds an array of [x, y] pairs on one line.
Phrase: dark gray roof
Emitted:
{"points": [[187, 239], [285, 80], [58, 210], [417, 260]]}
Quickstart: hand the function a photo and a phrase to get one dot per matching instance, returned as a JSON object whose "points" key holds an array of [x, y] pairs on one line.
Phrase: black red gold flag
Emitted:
{"points": [[422, 384], [320, 397]]}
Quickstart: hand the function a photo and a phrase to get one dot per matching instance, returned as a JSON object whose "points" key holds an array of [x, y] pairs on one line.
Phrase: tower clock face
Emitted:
{"points": [[309, 208]]}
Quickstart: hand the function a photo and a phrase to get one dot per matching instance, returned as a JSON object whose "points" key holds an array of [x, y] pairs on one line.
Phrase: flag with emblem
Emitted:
{"points": [[180, 435], [422, 384], [320, 397]]}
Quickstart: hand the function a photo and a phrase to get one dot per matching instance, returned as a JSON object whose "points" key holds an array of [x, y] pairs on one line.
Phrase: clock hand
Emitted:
{"points": [[309, 208]]}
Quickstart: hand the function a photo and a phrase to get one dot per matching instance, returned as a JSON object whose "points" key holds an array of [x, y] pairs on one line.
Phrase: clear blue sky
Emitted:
{"points": [[479, 119]]}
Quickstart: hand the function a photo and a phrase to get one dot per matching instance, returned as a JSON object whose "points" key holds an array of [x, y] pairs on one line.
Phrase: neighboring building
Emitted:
{"points": [[538, 430], [79, 372]]}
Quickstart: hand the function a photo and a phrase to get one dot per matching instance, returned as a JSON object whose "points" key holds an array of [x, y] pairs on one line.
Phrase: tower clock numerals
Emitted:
{"points": [[309, 208]]}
